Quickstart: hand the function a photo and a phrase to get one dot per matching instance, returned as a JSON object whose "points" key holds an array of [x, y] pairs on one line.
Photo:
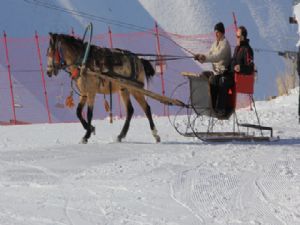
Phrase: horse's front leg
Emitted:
{"points": [[79, 109], [86, 124], [89, 128]]}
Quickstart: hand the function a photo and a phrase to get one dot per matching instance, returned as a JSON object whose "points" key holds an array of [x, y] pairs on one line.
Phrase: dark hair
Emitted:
{"points": [[220, 27], [244, 31]]}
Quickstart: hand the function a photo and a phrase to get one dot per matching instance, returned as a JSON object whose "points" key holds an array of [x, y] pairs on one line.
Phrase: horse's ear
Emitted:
{"points": [[52, 37]]}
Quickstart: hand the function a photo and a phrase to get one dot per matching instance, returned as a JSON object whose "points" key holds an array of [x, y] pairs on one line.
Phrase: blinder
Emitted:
{"points": [[55, 52]]}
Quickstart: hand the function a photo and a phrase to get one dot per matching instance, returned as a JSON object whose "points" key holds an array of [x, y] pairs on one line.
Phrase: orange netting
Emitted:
{"points": [[37, 98]]}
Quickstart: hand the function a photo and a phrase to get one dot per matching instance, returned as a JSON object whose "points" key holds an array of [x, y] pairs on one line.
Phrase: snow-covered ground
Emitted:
{"points": [[47, 178]]}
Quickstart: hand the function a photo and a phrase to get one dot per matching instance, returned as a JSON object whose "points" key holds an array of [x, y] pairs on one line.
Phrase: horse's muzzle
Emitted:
{"points": [[51, 71]]}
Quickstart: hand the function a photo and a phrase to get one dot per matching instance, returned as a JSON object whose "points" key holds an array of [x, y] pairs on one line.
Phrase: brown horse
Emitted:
{"points": [[66, 53]]}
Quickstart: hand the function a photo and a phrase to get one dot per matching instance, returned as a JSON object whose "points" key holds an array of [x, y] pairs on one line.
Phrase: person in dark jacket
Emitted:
{"points": [[242, 60]]}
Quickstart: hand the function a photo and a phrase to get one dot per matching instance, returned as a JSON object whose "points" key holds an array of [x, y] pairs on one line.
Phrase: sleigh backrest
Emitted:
{"points": [[244, 83]]}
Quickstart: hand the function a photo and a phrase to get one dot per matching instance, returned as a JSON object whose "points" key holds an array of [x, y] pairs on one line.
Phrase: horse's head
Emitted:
{"points": [[53, 55], [63, 51]]}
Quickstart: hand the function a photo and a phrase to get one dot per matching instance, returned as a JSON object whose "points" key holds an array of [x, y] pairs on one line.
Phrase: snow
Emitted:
{"points": [[46, 177]]}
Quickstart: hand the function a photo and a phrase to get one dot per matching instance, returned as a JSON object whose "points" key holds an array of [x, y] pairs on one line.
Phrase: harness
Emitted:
{"points": [[58, 61], [132, 59]]}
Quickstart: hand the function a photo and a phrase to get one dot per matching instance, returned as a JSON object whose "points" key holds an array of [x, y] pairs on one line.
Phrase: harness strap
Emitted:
{"points": [[59, 57], [62, 58], [74, 73], [132, 60]]}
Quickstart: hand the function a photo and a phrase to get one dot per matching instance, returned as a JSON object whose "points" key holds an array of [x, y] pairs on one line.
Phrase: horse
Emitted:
{"points": [[66, 52]]}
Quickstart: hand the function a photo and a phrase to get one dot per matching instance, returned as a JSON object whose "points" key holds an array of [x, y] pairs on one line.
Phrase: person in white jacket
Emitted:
{"points": [[220, 78]]}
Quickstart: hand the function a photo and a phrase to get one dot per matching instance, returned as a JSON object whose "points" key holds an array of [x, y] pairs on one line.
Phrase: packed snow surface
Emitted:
{"points": [[47, 178]]}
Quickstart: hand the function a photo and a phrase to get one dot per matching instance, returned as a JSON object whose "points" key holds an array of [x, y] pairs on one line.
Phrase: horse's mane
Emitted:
{"points": [[69, 39], [111, 56]]}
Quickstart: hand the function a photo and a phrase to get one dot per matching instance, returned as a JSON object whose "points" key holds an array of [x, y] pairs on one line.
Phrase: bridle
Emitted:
{"points": [[56, 54]]}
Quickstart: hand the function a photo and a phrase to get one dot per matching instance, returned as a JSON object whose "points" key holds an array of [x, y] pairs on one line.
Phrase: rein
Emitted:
{"points": [[163, 57]]}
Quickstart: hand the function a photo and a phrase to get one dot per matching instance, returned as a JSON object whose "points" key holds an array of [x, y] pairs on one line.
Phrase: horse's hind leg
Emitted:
{"points": [[129, 112], [143, 103]]}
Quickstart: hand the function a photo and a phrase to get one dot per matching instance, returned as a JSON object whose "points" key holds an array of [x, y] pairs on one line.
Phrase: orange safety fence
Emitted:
{"points": [[28, 95]]}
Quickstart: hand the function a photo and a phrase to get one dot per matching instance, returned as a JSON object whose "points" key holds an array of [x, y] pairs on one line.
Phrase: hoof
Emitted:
{"points": [[84, 141], [157, 139], [93, 130], [155, 135], [119, 139]]}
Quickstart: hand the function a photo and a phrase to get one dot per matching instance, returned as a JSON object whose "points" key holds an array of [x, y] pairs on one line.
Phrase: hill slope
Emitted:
{"points": [[47, 178]]}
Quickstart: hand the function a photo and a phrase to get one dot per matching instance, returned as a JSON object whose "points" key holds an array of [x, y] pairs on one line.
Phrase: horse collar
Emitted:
{"points": [[74, 73]]}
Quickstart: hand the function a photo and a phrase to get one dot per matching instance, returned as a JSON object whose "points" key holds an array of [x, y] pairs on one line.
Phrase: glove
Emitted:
{"points": [[197, 57]]}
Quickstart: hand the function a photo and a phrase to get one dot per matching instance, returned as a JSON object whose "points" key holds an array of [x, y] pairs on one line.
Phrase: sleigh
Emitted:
{"points": [[200, 105], [202, 119]]}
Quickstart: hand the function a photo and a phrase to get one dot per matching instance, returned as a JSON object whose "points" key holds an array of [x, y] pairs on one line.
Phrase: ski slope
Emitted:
{"points": [[47, 178]]}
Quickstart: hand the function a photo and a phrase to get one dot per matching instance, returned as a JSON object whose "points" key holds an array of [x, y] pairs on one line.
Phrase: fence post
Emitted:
{"points": [[158, 50], [43, 75], [111, 46], [10, 80]]}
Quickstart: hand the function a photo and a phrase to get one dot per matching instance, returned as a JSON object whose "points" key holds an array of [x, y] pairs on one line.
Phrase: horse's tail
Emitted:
{"points": [[149, 70]]}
